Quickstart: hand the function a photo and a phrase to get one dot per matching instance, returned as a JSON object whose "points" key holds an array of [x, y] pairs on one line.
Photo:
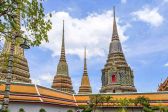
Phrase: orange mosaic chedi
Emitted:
{"points": [[85, 87], [62, 80]]}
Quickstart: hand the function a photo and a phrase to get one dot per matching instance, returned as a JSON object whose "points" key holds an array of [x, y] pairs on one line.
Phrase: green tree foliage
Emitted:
{"points": [[82, 106], [4, 111], [42, 110], [21, 110], [69, 111], [99, 100], [32, 20], [108, 99], [123, 103], [147, 109], [142, 101], [160, 108], [95, 100], [122, 110], [87, 108], [104, 100]]}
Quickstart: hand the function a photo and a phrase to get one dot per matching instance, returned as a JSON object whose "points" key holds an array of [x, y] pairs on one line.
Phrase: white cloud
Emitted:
{"points": [[150, 16], [44, 78], [47, 77], [36, 81], [147, 47], [165, 0], [123, 1], [93, 31], [166, 65], [76, 81]]}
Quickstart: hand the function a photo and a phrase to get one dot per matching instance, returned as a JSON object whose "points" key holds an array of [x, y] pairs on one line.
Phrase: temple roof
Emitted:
{"points": [[163, 86], [35, 93], [155, 98], [24, 92]]}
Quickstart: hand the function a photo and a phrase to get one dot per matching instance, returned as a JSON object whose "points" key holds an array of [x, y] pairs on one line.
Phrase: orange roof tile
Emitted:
{"points": [[59, 102], [159, 104], [24, 98], [20, 88], [28, 92], [25, 92], [78, 98], [23, 89], [53, 93], [151, 96]]}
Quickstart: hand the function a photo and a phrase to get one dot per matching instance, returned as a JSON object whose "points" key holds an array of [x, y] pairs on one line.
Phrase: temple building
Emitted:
{"points": [[117, 75], [33, 97], [163, 86], [62, 80], [85, 87]]}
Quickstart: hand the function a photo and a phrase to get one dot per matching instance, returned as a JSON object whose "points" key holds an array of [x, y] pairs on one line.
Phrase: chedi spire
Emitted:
{"points": [[85, 87], [117, 75], [85, 63], [115, 32], [115, 45], [62, 80], [62, 58]]}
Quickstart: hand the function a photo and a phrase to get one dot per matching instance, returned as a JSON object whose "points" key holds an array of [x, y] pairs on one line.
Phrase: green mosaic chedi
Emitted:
{"points": [[20, 71], [117, 75]]}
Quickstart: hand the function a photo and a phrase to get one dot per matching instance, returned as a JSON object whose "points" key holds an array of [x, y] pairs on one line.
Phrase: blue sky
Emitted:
{"points": [[142, 26]]}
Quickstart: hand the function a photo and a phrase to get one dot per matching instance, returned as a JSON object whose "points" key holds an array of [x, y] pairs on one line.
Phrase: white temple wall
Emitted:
{"points": [[35, 107]]}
